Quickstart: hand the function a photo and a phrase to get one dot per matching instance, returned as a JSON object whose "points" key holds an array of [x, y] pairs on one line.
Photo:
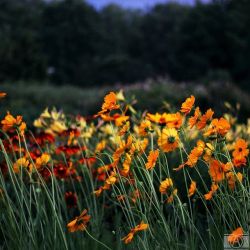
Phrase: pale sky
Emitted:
{"points": [[136, 3]]}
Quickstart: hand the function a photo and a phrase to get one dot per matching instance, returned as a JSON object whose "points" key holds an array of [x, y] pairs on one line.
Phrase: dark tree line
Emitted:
{"points": [[71, 42]]}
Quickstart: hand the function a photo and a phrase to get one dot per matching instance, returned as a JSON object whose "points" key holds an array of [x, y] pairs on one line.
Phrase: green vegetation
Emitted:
{"points": [[31, 99], [178, 179]]}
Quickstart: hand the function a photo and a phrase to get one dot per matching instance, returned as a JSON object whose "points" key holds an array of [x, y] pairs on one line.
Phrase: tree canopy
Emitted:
{"points": [[70, 42]]}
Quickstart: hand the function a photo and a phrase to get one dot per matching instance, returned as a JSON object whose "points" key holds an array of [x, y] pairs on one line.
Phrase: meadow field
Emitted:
{"points": [[138, 168], [124, 124]]}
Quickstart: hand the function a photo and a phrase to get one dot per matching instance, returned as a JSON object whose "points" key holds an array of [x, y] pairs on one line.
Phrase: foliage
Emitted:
{"points": [[124, 179], [29, 99], [69, 42]]}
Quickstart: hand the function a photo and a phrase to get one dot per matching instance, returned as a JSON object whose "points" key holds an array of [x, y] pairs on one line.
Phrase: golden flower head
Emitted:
{"points": [[168, 139]]}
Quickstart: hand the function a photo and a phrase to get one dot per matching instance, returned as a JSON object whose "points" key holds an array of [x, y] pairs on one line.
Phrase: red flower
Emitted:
{"points": [[69, 150], [89, 161], [62, 171], [43, 138]]}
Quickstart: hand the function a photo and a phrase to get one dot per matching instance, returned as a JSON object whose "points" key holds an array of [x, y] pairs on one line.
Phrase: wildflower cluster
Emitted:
{"points": [[145, 167]]}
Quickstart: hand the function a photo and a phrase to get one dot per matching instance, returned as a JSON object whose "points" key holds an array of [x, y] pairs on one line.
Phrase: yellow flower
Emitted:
{"points": [[22, 162], [139, 146], [174, 120], [45, 114], [121, 120], [111, 180], [38, 123], [120, 96], [42, 160], [209, 151], [165, 185], [144, 127], [56, 115], [58, 126], [168, 140], [161, 119]]}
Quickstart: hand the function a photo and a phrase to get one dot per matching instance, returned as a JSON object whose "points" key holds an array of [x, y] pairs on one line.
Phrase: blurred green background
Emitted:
{"points": [[68, 54]]}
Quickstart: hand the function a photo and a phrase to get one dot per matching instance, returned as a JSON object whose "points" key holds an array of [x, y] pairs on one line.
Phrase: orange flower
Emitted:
{"points": [[171, 120], [161, 119], [192, 188], [209, 195], [126, 165], [187, 106], [166, 185], [79, 223], [139, 146], [100, 146], [121, 120], [141, 227], [2, 94], [217, 170], [104, 169], [205, 119], [174, 120], [127, 239], [98, 192], [125, 128], [123, 146], [110, 103], [110, 180], [218, 126], [194, 155], [239, 162], [193, 119], [171, 196], [235, 236], [232, 178], [11, 123], [240, 150], [144, 127], [168, 140], [152, 158]]}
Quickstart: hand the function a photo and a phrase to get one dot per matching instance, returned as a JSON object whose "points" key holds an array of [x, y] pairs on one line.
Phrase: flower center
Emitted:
{"points": [[171, 139]]}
